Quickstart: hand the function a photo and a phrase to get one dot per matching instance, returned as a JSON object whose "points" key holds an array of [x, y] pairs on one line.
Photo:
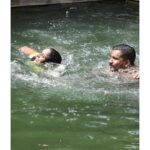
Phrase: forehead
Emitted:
{"points": [[46, 51], [116, 53]]}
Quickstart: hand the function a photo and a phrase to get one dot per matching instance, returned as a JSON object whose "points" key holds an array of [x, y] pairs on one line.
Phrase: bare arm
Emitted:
{"points": [[27, 50]]}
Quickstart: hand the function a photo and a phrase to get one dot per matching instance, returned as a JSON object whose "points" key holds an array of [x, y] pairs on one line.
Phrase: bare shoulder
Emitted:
{"points": [[131, 73]]}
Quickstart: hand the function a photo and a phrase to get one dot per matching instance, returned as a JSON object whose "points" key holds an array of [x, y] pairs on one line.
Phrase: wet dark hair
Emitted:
{"points": [[128, 52], [54, 56]]}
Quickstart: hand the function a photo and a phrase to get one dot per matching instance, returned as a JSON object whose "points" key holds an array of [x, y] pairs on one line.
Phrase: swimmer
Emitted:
{"points": [[46, 56], [122, 60]]}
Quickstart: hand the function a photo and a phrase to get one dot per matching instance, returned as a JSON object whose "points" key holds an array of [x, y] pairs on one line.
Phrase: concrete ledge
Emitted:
{"points": [[17, 3], [133, 1]]}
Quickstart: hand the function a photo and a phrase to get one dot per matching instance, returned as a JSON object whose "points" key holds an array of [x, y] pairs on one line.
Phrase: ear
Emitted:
{"points": [[127, 64]]}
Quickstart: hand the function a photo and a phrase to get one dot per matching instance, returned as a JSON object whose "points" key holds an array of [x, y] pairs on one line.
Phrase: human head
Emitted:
{"points": [[48, 55], [122, 56]]}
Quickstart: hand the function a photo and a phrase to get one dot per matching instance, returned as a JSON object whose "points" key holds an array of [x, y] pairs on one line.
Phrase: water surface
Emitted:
{"points": [[75, 106]]}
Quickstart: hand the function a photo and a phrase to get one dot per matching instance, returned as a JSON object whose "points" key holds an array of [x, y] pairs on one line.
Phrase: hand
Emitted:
{"points": [[137, 75]]}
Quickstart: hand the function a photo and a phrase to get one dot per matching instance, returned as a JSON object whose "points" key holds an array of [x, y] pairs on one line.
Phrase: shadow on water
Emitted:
{"points": [[75, 105]]}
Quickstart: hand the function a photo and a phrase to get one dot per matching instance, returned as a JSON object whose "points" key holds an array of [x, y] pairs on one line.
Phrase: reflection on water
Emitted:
{"points": [[75, 105]]}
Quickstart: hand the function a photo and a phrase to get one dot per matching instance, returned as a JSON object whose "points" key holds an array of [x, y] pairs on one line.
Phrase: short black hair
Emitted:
{"points": [[128, 52], [54, 56]]}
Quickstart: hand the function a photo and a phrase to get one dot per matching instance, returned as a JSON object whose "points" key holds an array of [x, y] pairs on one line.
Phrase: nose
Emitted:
{"points": [[110, 61]]}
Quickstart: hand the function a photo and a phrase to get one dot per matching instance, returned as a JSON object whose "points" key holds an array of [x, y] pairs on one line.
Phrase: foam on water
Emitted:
{"points": [[75, 77]]}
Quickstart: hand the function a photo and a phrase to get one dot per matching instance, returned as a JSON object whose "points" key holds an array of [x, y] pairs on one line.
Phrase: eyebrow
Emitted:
{"points": [[115, 57]]}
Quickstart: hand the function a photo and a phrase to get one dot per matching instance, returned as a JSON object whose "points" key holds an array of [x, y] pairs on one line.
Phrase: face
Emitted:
{"points": [[41, 58], [116, 61]]}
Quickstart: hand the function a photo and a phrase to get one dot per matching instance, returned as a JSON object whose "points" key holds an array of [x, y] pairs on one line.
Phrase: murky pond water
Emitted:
{"points": [[74, 106]]}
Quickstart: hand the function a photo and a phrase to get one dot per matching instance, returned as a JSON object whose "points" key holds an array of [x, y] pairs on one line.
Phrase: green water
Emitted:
{"points": [[75, 106]]}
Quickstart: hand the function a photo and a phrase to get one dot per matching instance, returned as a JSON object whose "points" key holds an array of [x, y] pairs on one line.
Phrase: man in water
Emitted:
{"points": [[122, 60], [46, 56]]}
